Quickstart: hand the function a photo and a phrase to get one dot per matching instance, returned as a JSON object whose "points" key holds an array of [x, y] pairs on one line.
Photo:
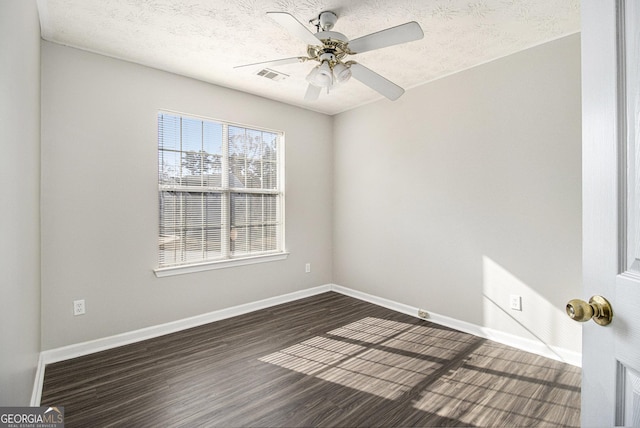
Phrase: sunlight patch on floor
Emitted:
{"points": [[478, 394], [372, 355]]}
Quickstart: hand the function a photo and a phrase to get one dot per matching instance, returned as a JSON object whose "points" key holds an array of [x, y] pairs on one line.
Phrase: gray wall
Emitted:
{"points": [[20, 195], [467, 190], [99, 197]]}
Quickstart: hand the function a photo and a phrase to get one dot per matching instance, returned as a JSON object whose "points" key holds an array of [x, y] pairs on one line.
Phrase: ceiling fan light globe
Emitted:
{"points": [[321, 76], [323, 80], [341, 72], [324, 68], [313, 76]]}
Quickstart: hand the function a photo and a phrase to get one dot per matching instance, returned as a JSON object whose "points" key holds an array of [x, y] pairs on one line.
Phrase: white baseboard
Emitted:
{"points": [[524, 344], [36, 394], [97, 345]]}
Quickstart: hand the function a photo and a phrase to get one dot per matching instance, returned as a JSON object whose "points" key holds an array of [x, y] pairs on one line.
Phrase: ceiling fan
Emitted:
{"points": [[331, 48]]}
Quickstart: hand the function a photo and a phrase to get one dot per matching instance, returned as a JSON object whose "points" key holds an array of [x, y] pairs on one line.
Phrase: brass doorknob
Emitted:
{"points": [[598, 309]]}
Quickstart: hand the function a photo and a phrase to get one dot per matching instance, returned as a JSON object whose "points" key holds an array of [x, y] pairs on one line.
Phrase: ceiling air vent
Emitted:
{"points": [[272, 74]]}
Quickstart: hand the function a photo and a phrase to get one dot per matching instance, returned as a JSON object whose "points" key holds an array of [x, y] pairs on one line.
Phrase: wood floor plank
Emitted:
{"points": [[328, 360]]}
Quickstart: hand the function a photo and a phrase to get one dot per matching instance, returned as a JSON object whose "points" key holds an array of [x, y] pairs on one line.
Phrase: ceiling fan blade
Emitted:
{"points": [[376, 82], [313, 92], [294, 27], [391, 36], [282, 61]]}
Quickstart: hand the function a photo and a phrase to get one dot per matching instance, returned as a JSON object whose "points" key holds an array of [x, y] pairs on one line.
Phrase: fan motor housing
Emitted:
{"points": [[332, 42], [332, 35]]}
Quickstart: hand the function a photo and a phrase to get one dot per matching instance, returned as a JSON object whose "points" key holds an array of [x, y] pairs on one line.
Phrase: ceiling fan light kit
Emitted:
{"points": [[329, 48]]}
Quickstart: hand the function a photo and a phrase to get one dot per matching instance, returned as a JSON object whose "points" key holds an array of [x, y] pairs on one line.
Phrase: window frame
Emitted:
{"points": [[226, 191]]}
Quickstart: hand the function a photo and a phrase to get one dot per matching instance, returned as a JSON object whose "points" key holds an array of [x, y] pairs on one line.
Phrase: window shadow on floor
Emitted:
{"points": [[425, 373]]}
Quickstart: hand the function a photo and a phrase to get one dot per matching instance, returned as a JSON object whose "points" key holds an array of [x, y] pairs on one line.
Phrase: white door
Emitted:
{"points": [[611, 209]]}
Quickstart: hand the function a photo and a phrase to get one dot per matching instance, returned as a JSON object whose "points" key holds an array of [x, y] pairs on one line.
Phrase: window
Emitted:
{"points": [[220, 192]]}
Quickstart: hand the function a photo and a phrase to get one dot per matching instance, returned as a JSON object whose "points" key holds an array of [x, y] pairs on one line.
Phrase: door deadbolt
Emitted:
{"points": [[598, 309]]}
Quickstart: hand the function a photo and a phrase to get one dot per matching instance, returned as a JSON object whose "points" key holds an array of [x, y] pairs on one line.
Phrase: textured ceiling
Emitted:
{"points": [[205, 39]]}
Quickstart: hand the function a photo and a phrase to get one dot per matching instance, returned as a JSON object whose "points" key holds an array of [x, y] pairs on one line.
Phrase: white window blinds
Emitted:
{"points": [[220, 191]]}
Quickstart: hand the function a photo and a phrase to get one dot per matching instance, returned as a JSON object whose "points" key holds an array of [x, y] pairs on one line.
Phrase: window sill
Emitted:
{"points": [[221, 264]]}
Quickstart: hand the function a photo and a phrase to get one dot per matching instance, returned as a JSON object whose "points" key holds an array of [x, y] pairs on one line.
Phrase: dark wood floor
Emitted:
{"points": [[328, 360]]}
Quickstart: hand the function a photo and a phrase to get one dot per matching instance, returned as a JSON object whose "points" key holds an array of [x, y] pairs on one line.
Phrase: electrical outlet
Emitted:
{"points": [[78, 307], [515, 302], [422, 313], [307, 268]]}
